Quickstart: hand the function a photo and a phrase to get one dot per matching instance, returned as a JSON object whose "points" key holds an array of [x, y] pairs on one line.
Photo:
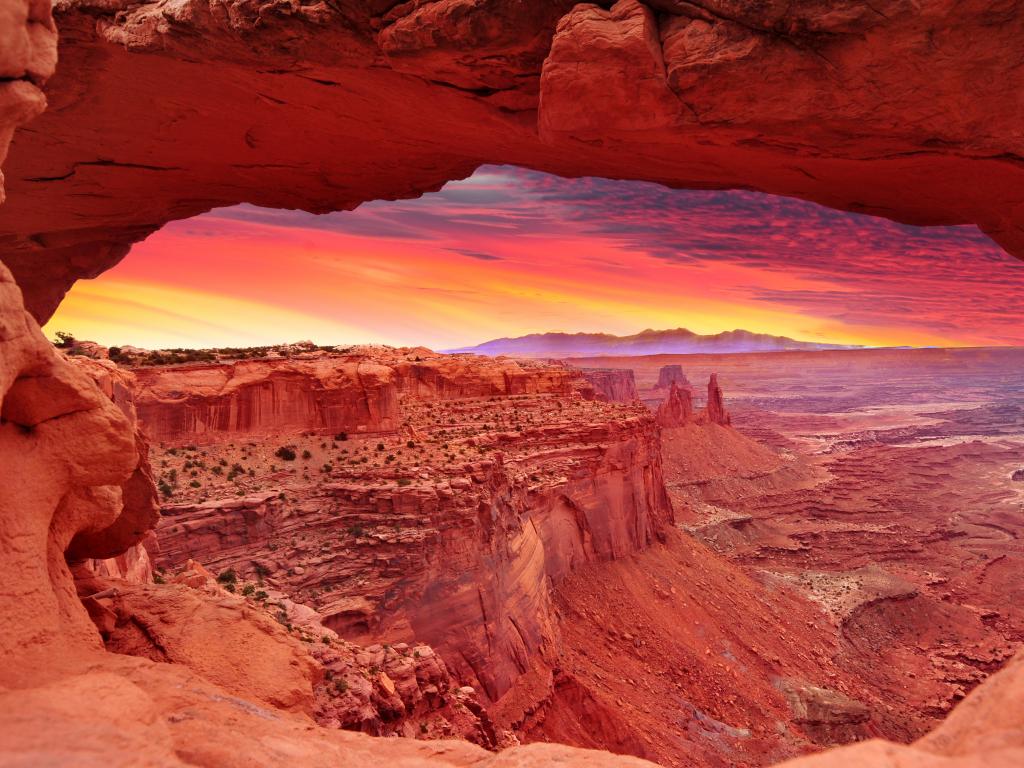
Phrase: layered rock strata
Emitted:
{"points": [[456, 552], [615, 385]]}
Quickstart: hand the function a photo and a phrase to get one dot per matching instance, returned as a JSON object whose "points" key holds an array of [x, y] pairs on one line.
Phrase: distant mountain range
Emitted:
{"points": [[674, 341]]}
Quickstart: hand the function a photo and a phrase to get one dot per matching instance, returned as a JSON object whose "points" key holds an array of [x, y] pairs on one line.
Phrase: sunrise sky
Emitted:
{"points": [[509, 252]]}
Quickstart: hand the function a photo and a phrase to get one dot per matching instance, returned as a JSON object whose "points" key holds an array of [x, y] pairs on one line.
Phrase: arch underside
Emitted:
{"points": [[162, 111]]}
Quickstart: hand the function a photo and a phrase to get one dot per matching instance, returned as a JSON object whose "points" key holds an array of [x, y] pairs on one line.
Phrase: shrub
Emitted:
{"points": [[285, 453], [341, 436], [356, 531], [307, 455], [64, 339], [380, 446], [196, 484], [248, 589], [411, 444], [340, 685], [165, 489], [227, 577]]}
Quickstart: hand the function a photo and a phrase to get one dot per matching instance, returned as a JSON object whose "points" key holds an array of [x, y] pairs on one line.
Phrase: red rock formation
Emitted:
{"points": [[677, 408], [203, 403], [28, 53], [715, 410], [326, 392], [456, 555], [613, 385], [672, 374], [896, 111]]}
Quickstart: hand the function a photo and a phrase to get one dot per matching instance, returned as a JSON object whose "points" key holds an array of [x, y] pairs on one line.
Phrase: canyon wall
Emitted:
{"points": [[202, 403], [616, 385], [460, 556], [349, 392], [895, 109]]}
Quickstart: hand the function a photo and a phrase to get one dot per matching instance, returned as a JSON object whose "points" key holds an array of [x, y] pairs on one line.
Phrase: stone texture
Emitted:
{"points": [[677, 408], [613, 385], [897, 109], [454, 552], [715, 411], [672, 374]]}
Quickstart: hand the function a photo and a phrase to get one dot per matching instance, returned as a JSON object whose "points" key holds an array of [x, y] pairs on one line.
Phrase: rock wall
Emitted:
{"points": [[614, 385], [672, 374], [76, 482], [205, 403], [896, 109], [328, 393], [459, 557]]}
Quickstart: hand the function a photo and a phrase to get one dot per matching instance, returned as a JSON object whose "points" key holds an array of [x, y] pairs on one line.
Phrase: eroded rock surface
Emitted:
{"points": [[613, 385], [898, 109]]}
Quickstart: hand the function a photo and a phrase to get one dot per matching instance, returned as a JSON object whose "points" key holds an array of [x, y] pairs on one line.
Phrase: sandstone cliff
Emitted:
{"points": [[457, 555], [326, 393], [616, 385], [672, 374]]}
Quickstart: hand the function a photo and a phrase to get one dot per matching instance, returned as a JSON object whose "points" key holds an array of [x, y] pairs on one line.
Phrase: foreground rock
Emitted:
{"points": [[897, 109]]}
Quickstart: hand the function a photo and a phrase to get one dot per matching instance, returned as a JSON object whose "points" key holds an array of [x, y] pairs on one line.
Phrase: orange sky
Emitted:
{"points": [[510, 252]]}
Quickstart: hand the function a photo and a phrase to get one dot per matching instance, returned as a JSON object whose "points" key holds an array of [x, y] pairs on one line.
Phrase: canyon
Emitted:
{"points": [[508, 560], [244, 562], [501, 554]]}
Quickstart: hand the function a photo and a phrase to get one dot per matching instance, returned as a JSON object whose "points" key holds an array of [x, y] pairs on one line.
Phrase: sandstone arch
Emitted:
{"points": [[161, 110], [904, 109]]}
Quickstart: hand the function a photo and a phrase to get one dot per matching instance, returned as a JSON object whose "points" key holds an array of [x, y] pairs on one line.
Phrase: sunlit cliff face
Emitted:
{"points": [[508, 252]]}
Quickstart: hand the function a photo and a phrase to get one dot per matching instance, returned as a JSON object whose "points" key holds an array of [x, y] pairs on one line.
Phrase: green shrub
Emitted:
{"points": [[227, 577], [285, 453], [341, 436]]}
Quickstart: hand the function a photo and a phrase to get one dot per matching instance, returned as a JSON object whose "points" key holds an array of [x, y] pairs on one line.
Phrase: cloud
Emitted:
{"points": [[827, 265]]}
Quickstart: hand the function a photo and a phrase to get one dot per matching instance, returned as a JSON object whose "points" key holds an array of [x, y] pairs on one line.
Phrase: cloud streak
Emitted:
{"points": [[510, 251]]}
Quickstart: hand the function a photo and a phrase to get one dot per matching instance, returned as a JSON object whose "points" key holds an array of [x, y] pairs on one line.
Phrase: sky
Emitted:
{"points": [[508, 252]]}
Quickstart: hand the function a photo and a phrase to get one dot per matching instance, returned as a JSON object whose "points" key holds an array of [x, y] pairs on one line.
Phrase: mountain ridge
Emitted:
{"points": [[647, 342]]}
